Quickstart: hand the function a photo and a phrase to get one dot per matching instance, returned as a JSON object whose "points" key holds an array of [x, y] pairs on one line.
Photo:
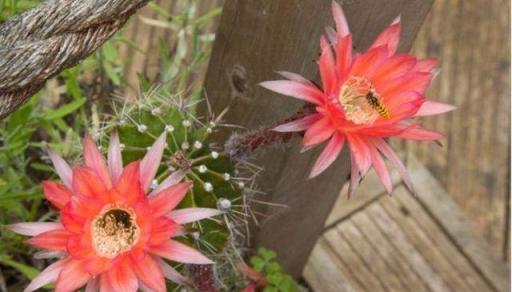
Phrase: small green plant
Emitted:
{"points": [[277, 281]]}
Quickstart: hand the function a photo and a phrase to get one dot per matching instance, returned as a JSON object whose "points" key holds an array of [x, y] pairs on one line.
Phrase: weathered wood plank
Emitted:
{"points": [[369, 255], [389, 253], [325, 272], [360, 272], [411, 254], [369, 190], [428, 249], [449, 216], [285, 37], [441, 240]]}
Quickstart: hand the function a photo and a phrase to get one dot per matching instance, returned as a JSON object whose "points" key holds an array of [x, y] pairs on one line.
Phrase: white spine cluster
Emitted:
{"points": [[208, 187]]}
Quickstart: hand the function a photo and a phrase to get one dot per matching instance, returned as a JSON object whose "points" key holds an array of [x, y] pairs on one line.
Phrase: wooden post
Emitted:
{"points": [[257, 38]]}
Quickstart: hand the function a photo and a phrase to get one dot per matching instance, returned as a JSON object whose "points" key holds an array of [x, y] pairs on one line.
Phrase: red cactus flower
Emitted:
{"points": [[365, 98], [111, 236]]}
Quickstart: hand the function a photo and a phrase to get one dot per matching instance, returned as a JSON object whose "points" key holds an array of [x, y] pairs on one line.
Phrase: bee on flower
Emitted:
{"points": [[365, 98], [114, 233]]}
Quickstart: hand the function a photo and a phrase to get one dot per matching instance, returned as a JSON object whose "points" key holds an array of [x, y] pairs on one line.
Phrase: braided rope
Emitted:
{"points": [[56, 35]]}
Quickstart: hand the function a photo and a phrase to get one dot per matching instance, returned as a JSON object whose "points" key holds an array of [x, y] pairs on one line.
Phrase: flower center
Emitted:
{"points": [[114, 231], [361, 102]]}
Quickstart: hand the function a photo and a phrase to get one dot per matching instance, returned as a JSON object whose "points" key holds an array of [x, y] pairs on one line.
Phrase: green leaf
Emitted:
{"points": [[145, 84], [272, 267], [72, 84], [111, 73], [28, 271], [110, 52], [64, 110], [20, 117], [275, 279], [257, 263], [266, 253], [288, 284], [41, 167]]}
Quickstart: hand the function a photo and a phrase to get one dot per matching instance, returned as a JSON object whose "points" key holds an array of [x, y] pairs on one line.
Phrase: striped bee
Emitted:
{"points": [[377, 105]]}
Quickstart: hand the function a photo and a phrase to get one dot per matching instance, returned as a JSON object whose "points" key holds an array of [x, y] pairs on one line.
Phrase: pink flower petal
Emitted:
{"points": [[93, 285], [179, 252], [95, 160], [318, 132], [299, 125], [168, 199], [183, 216], [47, 276], [115, 160], [354, 175], [390, 37], [295, 89], [171, 180], [368, 63], [34, 228], [359, 147], [395, 67], [339, 19], [295, 77], [57, 194], [391, 155], [162, 229], [344, 56], [331, 35], [49, 254], [149, 273], [87, 183], [329, 155], [420, 134], [403, 106], [105, 284], [416, 81], [430, 108], [381, 169], [95, 265], [122, 278], [145, 288], [53, 240], [72, 277], [151, 162], [128, 186], [426, 65], [326, 67], [173, 275], [61, 167]]}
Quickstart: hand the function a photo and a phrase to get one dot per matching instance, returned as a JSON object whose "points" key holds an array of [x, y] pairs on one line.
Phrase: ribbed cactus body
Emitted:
{"points": [[189, 148]]}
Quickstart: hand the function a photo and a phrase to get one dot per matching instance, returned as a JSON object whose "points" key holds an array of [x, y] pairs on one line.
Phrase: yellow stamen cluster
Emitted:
{"points": [[114, 231], [360, 101]]}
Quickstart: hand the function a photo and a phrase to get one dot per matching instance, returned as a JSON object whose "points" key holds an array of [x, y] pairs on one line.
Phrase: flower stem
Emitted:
{"points": [[242, 146]]}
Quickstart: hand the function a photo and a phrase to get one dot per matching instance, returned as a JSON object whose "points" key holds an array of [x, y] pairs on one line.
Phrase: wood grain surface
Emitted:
{"points": [[404, 243], [472, 41]]}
